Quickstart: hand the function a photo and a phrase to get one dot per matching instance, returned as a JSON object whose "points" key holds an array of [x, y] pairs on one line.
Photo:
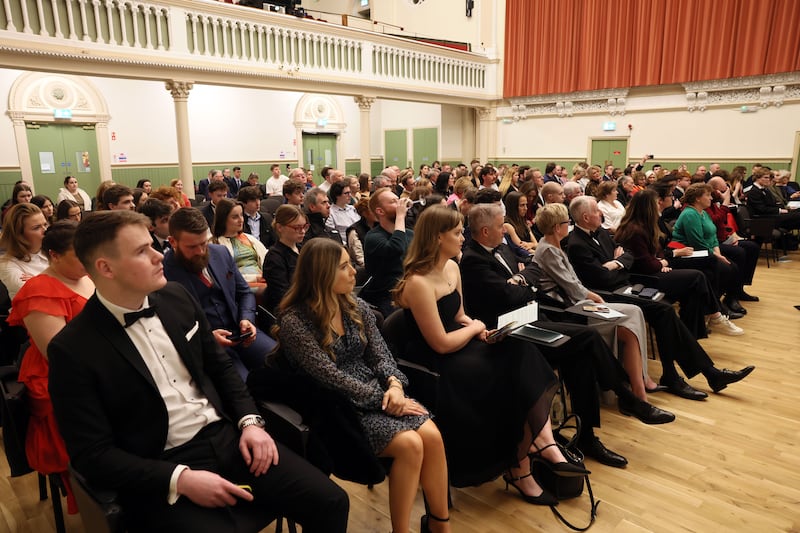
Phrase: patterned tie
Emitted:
{"points": [[205, 279]]}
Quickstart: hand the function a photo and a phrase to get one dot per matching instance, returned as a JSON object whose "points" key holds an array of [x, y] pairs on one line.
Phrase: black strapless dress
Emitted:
{"points": [[487, 393]]}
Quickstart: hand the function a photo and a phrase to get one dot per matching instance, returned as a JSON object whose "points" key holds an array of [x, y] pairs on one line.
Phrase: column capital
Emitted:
{"points": [[179, 89], [364, 102], [484, 113], [17, 117]]}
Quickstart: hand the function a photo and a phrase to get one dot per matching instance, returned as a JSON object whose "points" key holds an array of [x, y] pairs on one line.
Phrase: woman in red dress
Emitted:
{"points": [[44, 305]]}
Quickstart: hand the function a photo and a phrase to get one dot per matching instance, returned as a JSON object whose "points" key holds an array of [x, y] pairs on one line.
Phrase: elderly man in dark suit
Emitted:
{"points": [[208, 272], [149, 405], [762, 203], [493, 284], [600, 264]]}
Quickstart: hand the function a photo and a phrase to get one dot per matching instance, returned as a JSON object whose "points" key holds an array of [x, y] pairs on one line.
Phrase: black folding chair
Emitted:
{"points": [[15, 426]]}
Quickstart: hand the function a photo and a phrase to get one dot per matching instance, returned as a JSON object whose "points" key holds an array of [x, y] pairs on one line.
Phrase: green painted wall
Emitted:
{"points": [[353, 166], [8, 178], [162, 175], [726, 164]]}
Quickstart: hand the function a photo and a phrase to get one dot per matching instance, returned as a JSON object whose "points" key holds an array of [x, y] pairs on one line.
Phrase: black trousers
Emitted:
{"points": [[692, 289], [744, 255], [293, 488], [584, 362], [675, 341], [790, 220]]}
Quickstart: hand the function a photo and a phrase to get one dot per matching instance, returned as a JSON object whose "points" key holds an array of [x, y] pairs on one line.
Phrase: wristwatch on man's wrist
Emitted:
{"points": [[252, 420]]}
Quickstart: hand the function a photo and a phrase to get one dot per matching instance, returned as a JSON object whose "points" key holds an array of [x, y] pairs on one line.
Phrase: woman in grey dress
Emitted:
{"points": [[560, 283], [332, 337]]}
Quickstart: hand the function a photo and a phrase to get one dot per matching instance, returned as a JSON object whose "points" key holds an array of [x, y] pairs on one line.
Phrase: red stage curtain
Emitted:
{"points": [[559, 46]]}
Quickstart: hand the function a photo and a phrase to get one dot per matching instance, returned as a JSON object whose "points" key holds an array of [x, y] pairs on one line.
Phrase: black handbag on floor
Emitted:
{"points": [[565, 488]]}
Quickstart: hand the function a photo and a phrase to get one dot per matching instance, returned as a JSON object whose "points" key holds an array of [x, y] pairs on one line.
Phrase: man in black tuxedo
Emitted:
{"points": [[600, 264], [762, 203], [149, 405], [158, 212], [493, 284]]}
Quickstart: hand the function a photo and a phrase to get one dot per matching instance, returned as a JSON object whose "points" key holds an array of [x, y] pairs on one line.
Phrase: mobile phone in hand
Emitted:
{"points": [[236, 337]]}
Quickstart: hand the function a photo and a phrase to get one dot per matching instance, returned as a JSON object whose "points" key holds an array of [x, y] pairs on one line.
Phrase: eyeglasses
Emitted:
{"points": [[299, 227], [564, 222], [348, 193]]}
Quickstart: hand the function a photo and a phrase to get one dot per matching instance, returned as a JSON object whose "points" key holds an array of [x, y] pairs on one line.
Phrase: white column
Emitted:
{"points": [[468, 134], [180, 95], [364, 105], [484, 136], [23, 150], [103, 147]]}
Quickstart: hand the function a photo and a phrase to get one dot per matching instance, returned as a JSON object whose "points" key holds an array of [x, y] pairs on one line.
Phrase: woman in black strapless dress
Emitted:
{"points": [[493, 398]]}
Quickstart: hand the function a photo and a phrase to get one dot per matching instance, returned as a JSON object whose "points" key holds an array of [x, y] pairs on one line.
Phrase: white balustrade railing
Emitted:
{"points": [[170, 32]]}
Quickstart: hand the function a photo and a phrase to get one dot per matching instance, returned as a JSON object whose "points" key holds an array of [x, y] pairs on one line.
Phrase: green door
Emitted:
{"points": [[396, 146], [610, 152], [60, 150], [319, 150], [426, 146]]}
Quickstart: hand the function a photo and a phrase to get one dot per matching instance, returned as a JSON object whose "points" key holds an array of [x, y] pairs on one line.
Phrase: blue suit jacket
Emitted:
{"points": [[240, 299]]}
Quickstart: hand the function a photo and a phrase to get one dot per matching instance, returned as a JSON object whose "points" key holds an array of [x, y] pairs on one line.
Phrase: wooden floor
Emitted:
{"points": [[731, 463]]}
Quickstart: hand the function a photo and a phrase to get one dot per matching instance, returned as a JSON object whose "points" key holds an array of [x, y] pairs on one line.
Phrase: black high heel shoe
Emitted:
{"points": [[545, 498], [563, 469], [423, 522]]}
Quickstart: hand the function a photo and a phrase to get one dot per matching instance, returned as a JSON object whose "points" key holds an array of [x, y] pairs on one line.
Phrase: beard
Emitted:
{"points": [[195, 265]]}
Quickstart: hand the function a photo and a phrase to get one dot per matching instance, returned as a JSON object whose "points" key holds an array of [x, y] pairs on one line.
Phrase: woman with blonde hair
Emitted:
{"points": [[612, 209], [560, 283], [331, 336], [493, 399], [510, 181]]}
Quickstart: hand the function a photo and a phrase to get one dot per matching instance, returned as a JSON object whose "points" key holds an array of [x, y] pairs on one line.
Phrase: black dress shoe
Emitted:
{"points": [[744, 297], [645, 412], [723, 378], [679, 387], [733, 315], [597, 451], [734, 305], [657, 388]]}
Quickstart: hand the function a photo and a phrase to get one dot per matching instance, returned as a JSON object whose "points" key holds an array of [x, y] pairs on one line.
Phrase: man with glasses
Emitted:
{"points": [[342, 215]]}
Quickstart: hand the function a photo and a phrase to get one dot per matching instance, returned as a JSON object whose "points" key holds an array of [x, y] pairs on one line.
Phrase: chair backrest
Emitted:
{"points": [[15, 420], [271, 204], [423, 381], [100, 511], [395, 332]]}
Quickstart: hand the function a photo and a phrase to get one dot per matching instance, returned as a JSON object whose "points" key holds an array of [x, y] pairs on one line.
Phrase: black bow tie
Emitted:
{"points": [[131, 318], [496, 249], [594, 234]]}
